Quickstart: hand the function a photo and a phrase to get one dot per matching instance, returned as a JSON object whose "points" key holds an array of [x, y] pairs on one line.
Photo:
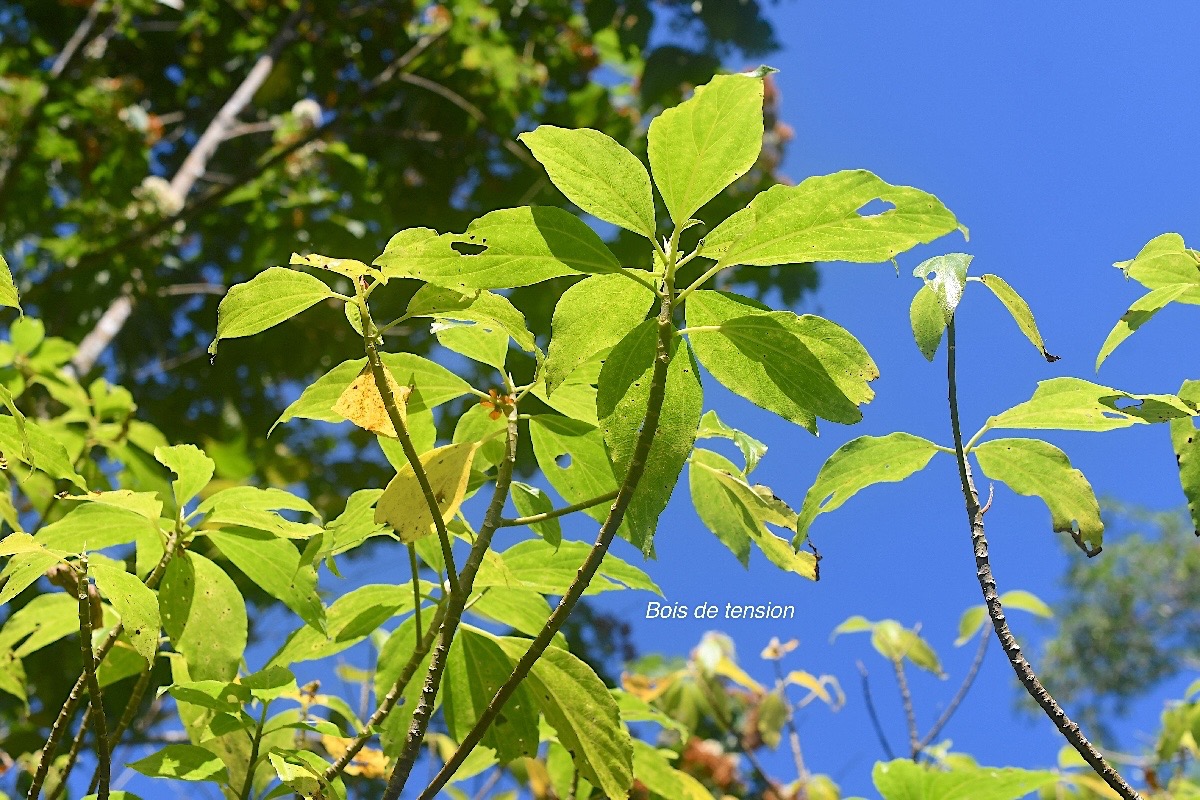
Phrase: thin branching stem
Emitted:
{"points": [[587, 571], [455, 605], [870, 703], [131, 709], [533, 519], [910, 714], [416, 584], [73, 757], [255, 745], [802, 775], [983, 571], [95, 698], [960, 695]]}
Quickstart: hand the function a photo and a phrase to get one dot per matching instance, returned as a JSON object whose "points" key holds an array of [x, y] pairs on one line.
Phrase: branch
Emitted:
{"points": [[558, 512], [95, 698], [960, 695], [73, 757], [591, 564], [131, 709], [793, 734], [914, 744], [866, 690], [983, 570]]}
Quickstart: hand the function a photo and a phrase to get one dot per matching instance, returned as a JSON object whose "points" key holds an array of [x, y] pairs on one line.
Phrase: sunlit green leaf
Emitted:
{"points": [[1073, 404], [571, 455], [1035, 468], [1187, 452], [350, 619], [19, 438], [949, 279], [182, 762], [1165, 261], [342, 266], [252, 507], [860, 463], [275, 565], [907, 780], [591, 316], [530, 500], [477, 666], [752, 449], [479, 425], [95, 526], [1140, 313], [927, 320], [41, 622], [578, 706], [597, 174], [502, 249], [654, 771], [799, 367], [146, 504], [193, 469], [484, 342], [542, 567], [22, 571], [440, 303], [137, 605], [205, 617], [8, 289], [270, 297], [1020, 311], [704, 144], [575, 397], [356, 523], [621, 405], [819, 220]]}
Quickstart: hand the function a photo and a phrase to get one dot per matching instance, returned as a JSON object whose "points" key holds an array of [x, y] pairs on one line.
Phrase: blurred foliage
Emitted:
{"points": [[375, 116]]}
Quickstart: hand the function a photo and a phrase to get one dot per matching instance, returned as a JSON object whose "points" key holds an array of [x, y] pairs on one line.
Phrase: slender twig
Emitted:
{"points": [[591, 564], [131, 709], [416, 584], [696, 284], [533, 519], [983, 570], [490, 783], [793, 733], [455, 605], [910, 713], [72, 702], [73, 757], [866, 690], [393, 410], [255, 744], [95, 698], [389, 700], [960, 695]]}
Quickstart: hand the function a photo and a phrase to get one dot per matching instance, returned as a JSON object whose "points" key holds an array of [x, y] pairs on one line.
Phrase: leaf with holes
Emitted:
{"points": [[819, 220], [591, 316], [512, 247], [860, 463], [597, 174], [403, 504], [1186, 443], [949, 279], [799, 367], [440, 303], [1020, 311], [1035, 468], [1073, 404], [704, 144], [621, 406], [571, 455], [269, 298]]}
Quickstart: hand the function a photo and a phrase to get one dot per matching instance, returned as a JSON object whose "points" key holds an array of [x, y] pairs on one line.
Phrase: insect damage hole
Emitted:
{"points": [[468, 248], [875, 208]]}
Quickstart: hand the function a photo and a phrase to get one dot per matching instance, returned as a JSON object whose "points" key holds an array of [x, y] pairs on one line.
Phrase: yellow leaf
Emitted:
{"points": [[367, 763], [402, 504], [818, 688], [645, 688], [362, 405], [776, 650], [727, 667]]}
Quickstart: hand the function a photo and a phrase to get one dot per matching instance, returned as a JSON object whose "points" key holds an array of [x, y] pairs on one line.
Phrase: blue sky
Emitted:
{"points": [[1064, 141]]}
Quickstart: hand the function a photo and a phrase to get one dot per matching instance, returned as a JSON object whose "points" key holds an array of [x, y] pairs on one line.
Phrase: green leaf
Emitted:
{"points": [[1026, 601], [193, 470], [575, 397], [478, 425], [1035, 468], [276, 566], [704, 144], [752, 449], [22, 571], [356, 523], [919, 652], [145, 504], [970, 623], [860, 463], [476, 667], [21, 437], [8, 289], [434, 385], [541, 567], [1073, 404], [654, 771], [799, 367], [351, 618], [927, 320], [440, 303], [530, 500], [269, 298], [591, 316], [137, 605], [597, 174], [621, 405], [520, 246], [523, 610], [773, 712], [579, 708], [342, 266], [949, 279], [1187, 452], [1165, 261], [478, 341], [571, 455], [43, 621], [252, 507], [906, 780], [19, 419], [736, 514], [1020, 312], [1140, 313], [95, 526], [182, 762], [205, 617], [819, 220]]}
